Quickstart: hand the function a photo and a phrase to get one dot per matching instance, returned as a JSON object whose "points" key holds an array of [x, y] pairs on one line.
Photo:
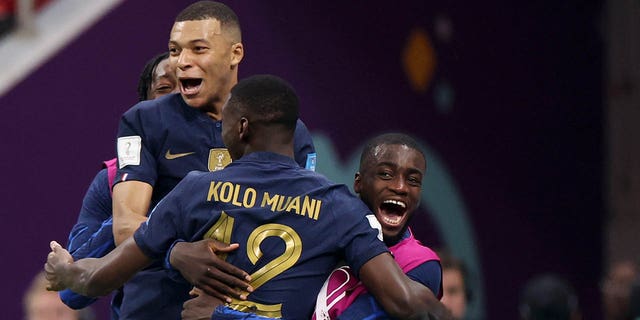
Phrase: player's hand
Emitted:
{"points": [[199, 263], [57, 261], [200, 307]]}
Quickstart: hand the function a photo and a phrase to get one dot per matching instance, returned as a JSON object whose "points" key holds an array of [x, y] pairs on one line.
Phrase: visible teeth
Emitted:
{"points": [[394, 220], [398, 203]]}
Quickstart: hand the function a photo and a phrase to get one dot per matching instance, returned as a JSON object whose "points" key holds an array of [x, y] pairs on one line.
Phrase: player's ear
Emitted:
{"points": [[243, 128], [237, 53], [356, 182]]}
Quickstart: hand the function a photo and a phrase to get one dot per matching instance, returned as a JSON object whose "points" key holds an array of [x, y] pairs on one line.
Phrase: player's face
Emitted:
{"points": [[454, 297], [205, 61], [164, 80], [390, 185]]}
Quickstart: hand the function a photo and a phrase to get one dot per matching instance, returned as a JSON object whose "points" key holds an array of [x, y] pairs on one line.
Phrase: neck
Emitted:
{"points": [[214, 108], [392, 241], [215, 115], [278, 142]]}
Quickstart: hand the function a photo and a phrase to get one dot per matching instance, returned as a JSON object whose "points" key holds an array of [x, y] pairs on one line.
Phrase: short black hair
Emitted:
{"points": [[548, 297], [203, 10], [270, 99], [392, 138], [146, 77]]}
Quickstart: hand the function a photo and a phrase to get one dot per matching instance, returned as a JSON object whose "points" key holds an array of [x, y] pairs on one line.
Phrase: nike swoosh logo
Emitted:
{"points": [[171, 156]]}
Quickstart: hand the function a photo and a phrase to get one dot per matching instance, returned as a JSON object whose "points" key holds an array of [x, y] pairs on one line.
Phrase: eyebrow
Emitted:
{"points": [[190, 41], [393, 165]]}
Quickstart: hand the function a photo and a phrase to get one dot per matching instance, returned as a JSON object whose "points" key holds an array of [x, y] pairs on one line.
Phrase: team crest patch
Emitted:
{"points": [[218, 159], [129, 151]]}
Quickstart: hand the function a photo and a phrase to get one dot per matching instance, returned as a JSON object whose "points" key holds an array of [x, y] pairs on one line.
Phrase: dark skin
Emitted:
{"points": [[200, 307], [393, 173], [389, 182], [202, 266], [399, 296]]}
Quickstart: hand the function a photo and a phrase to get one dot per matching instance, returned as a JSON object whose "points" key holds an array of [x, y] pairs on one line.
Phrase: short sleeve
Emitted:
{"points": [[429, 274], [304, 150], [134, 146]]}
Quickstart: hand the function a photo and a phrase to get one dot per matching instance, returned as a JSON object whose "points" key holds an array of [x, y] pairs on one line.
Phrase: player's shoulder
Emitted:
{"points": [[300, 125], [324, 182], [194, 180], [195, 176], [415, 247], [151, 108], [342, 191], [102, 176], [341, 195]]}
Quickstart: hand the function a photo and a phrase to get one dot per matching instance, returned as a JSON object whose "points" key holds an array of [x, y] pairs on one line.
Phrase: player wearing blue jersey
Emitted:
{"points": [[160, 141], [389, 182], [92, 235], [290, 226]]}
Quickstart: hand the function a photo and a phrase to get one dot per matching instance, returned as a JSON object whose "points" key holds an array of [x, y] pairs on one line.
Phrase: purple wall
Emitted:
{"points": [[513, 108]]}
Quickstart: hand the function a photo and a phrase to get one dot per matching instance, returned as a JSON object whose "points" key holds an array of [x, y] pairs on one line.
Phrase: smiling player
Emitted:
{"points": [[160, 141], [389, 182], [288, 247]]}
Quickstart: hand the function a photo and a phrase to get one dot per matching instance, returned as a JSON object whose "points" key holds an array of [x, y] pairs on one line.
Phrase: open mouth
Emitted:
{"points": [[189, 86], [392, 212]]}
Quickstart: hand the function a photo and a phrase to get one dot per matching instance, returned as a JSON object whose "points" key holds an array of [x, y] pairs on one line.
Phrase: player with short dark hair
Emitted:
{"points": [[290, 226], [162, 140], [389, 182], [92, 235], [157, 78]]}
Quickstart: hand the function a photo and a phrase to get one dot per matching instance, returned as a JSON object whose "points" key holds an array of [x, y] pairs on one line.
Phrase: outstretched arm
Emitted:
{"points": [[94, 276], [400, 296]]}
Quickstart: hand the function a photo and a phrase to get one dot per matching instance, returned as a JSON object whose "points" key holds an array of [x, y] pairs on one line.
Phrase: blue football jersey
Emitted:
{"points": [[293, 227], [159, 142]]}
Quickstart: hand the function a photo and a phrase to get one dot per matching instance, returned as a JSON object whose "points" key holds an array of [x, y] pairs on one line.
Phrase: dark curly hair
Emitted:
{"points": [[146, 77]]}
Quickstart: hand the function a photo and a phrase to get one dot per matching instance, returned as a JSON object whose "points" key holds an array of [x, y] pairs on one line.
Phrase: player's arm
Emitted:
{"points": [[400, 296], [100, 243], [94, 276], [137, 171], [131, 201], [199, 264], [96, 207], [200, 307], [91, 236]]}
